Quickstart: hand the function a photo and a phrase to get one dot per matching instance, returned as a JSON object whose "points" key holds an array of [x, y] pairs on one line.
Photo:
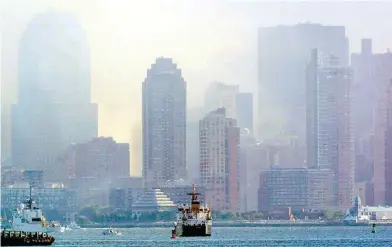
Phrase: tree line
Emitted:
{"points": [[97, 214]]}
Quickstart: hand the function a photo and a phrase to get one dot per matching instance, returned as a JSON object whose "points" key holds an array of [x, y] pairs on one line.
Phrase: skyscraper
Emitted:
{"points": [[244, 108], [335, 147], [219, 160], [388, 148], [282, 55], [53, 108], [364, 90], [164, 123], [311, 109], [381, 76], [192, 143]]}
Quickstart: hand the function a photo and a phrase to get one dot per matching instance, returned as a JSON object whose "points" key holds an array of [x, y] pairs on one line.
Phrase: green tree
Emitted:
{"points": [[338, 215], [333, 215]]}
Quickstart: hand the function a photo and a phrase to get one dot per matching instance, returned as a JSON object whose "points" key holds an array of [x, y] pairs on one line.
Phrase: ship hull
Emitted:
{"points": [[16, 238], [196, 230], [22, 242]]}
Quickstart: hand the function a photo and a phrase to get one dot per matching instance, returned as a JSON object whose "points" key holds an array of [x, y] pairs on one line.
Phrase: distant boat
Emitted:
{"points": [[72, 225], [55, 226], [111, 231]]}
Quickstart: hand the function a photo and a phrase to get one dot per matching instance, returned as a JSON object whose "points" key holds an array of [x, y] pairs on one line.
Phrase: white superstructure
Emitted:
{"points": [[29, 218]]}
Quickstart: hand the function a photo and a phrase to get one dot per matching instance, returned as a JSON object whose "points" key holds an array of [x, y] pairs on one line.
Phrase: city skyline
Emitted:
{"points": [[118, 64]]}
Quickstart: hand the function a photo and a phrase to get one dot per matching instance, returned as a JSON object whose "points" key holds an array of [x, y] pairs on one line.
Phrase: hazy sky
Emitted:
{"points": [[209, 40]]}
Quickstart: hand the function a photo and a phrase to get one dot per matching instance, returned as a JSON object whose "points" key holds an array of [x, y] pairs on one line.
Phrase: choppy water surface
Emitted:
{"points": [[234, 236]]}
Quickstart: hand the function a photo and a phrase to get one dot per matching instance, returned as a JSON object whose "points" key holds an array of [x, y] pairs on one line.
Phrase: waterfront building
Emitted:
{"points": [[220, 160], [361, 213], [60, 199], [281, 188], [101, 158], [335, 142]]}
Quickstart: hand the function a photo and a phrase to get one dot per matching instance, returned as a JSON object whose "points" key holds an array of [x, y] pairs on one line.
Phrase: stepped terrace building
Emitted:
{"points": [[153, 200]]}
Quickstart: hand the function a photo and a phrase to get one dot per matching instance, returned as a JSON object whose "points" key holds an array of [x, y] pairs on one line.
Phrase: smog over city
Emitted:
{"points": [[113, 112]]}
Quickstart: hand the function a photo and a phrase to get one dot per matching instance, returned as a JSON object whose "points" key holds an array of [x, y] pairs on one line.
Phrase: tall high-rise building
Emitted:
{"points": [[383, 148], [381, 76], [388, 147], [311, 109], [364, 89], [222, 95], [192, 143], [281, 77], [244, 108], [219, 160], [164, 123], [335, 138], [53, 108]]}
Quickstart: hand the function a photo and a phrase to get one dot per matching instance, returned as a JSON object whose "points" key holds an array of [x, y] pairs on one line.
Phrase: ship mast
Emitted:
{"points": [[194, 195], [30, 201], [195, 204]]}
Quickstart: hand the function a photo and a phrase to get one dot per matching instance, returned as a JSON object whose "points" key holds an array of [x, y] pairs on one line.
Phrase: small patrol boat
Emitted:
{"points": [[111, 231]]}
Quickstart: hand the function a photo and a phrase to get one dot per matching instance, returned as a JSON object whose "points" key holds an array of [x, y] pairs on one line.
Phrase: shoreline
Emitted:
{"points": [[223, 224]]}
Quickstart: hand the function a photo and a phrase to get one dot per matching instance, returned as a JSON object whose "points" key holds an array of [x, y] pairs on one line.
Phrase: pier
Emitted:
{"points": [[18, 238]]}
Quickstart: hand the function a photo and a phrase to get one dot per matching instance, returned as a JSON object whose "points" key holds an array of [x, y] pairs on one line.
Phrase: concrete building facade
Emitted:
{"points": [[220, 160], [334, 126], [101, 158], [382, 74], [282, 188]]}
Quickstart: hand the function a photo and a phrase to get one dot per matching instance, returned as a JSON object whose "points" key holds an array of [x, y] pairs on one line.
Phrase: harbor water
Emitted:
{"points": [[327, 236]]}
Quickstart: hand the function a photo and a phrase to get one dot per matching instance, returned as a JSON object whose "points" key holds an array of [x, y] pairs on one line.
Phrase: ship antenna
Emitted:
{"points": [[30, 202], [194, 192]]}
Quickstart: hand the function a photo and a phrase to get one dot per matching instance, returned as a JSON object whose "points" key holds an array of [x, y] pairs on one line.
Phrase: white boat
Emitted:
{"points": [[111, 231], [72, 225], [29, 218], [55, 227]]}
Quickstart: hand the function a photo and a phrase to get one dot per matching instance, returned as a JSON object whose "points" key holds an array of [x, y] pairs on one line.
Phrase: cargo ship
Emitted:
{"points": [[193, 220]]}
